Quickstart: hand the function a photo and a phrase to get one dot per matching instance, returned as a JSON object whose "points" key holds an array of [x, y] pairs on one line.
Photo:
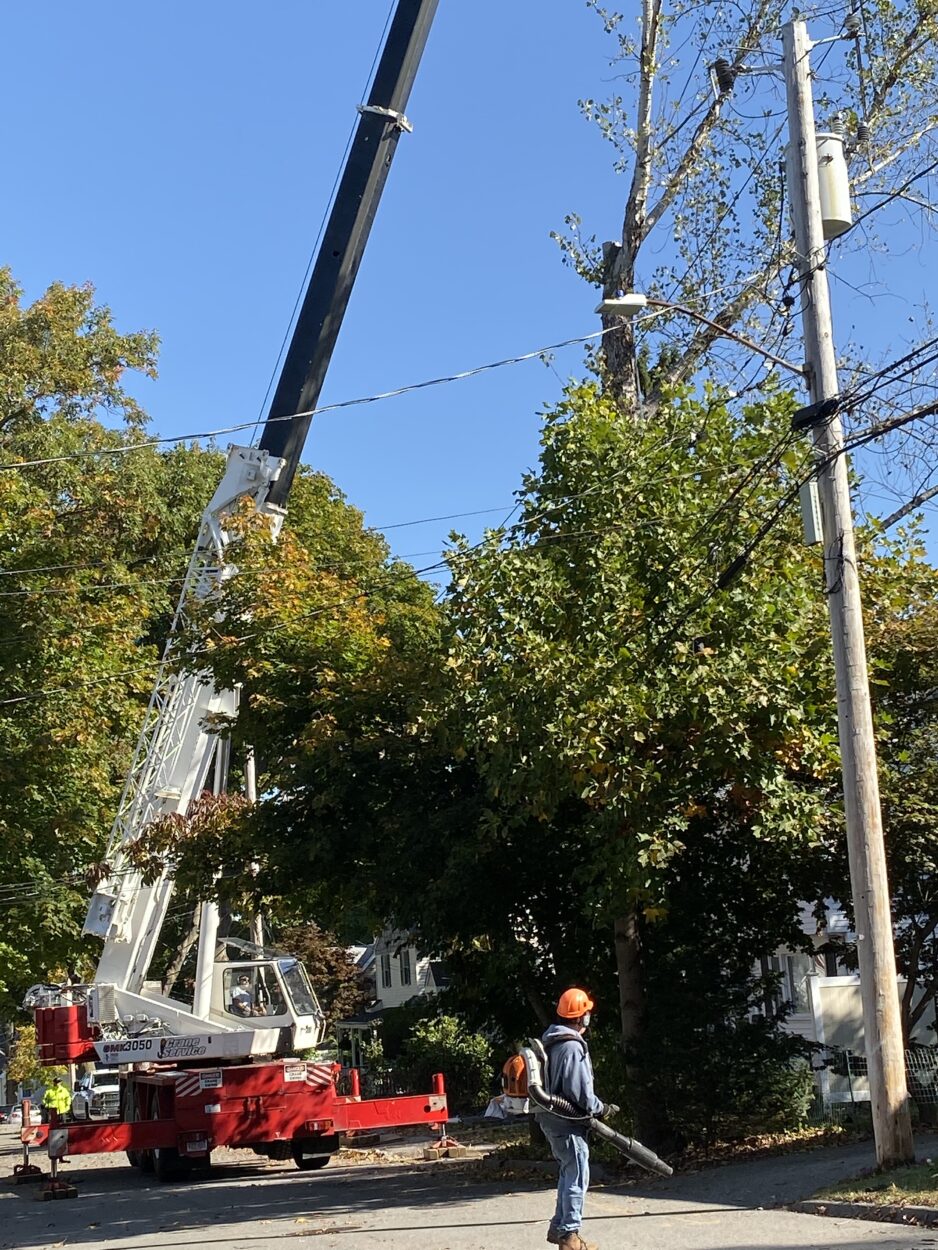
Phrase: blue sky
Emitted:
{"points": [[181, 158]]}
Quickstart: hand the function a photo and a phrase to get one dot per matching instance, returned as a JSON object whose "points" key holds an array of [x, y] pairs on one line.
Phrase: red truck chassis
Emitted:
{"points": [[172, 1117]]}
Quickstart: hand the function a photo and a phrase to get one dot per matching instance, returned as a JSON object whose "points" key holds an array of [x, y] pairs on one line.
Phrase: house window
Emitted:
{"points": [[791, 972], [385, 972], [404, 957], [797, 968], [833, 966]]}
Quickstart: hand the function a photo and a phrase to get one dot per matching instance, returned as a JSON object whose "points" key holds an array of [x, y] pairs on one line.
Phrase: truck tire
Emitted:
{"points": [[131, 1112], [310, 1163], [168, 1164], [312, 1153], [166, 1161]]}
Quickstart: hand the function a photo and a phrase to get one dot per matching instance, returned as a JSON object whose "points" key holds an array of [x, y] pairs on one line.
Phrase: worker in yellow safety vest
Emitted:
{"points": [[56, 1098]]}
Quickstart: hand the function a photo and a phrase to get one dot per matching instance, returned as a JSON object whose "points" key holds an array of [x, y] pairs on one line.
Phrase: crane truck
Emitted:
{"points": [[225, 1069]]}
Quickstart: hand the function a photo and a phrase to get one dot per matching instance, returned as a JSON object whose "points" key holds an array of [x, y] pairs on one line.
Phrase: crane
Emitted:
{"points": [[247, 1013]]}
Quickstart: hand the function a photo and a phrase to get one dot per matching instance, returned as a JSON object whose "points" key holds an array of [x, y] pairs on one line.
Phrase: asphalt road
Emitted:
{"points": [[258, 1205]]}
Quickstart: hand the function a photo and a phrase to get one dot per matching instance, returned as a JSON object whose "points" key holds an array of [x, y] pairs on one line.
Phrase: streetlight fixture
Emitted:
{"points": [[628, 306]]}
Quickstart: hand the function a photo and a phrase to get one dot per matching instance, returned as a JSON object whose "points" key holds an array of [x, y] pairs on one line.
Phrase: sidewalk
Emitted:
{"points": [[772, 1182]]}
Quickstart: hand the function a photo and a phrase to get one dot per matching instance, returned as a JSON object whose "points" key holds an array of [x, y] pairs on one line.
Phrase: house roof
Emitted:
{"points": [[362, 955]]}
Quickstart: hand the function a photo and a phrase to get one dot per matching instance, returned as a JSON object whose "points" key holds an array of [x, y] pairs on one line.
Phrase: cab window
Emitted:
{"points": [[252, 992]]}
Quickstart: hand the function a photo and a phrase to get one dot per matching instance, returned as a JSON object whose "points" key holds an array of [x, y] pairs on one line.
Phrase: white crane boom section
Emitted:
{"points": [[175, 747]]}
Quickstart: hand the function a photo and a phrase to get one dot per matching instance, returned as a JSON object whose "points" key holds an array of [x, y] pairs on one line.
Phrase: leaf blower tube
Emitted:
{"points": [[535, 1063]]}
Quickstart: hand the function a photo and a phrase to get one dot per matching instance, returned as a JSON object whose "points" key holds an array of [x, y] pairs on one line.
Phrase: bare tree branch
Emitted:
{"points": [[916, 502], [633, 224], [702, 133], [728, 316], [906, 50]]}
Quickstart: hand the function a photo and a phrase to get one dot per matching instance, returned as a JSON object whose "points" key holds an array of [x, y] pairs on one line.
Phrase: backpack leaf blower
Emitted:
{"points": [[535, 1068]]}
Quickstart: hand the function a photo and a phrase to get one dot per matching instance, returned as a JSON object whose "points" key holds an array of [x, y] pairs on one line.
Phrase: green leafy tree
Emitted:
{"points": [[87, 546], [24, 1067], [613, 699], [902, 628], [519, 781], [94, 543]]}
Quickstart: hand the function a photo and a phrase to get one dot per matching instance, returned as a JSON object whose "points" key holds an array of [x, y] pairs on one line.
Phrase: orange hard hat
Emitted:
{"points": [[573, 1004]]}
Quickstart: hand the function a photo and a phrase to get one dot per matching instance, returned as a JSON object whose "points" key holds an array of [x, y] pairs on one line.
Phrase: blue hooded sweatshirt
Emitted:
{"points": [[569, 1074]]}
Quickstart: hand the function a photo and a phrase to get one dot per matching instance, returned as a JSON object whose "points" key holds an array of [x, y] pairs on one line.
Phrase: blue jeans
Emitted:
{"points": [[572, 1152]]}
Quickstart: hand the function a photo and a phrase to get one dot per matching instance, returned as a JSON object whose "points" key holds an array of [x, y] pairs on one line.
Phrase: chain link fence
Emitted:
{"points": [[843, 1083]]}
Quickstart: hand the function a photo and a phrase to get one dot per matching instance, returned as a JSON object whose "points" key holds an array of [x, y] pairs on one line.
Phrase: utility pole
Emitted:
{"points": [[881, 1021]]}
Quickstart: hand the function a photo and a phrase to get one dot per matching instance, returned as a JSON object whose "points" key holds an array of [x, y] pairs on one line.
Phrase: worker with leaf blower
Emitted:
{"points": [[553, 1077], [570, 1076]]}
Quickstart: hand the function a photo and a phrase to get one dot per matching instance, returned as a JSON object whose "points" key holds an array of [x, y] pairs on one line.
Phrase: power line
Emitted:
{"points": [[340, 570], [860, 438], [888, 199], [126, 449], [92, 586], [340, 405]]}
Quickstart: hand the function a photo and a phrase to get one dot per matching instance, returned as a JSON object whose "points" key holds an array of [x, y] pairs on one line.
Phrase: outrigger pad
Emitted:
{"points": [[25, 1173], [54, 1189]]}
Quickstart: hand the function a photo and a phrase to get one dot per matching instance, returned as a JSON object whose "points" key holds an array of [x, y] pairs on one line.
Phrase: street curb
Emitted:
{"points": [[922, 1217]]}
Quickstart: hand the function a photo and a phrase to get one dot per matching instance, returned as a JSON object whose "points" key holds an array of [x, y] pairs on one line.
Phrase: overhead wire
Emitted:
{"points": [[155, 665], [887, 199], [396, 392], [883, 376], [357, 595]]}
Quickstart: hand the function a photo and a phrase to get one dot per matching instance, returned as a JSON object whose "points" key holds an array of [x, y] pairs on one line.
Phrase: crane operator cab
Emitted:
{"points": [[272, 994]]}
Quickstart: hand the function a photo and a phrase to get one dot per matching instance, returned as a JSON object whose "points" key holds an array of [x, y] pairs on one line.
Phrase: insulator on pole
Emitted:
{"points": [[724, 75]]}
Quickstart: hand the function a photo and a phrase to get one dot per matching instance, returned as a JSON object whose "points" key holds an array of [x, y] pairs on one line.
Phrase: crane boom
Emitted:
{"points": [[379, 128]]}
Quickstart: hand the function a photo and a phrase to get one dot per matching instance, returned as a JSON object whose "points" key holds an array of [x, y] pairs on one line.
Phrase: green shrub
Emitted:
{"points": [[444, 1044], [730, 1079]]}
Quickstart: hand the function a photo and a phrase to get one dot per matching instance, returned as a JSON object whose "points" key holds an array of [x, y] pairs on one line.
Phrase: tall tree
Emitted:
{"points": [[699, 135], [605, 702], [95, 536], [518, 779], [903, 633]]}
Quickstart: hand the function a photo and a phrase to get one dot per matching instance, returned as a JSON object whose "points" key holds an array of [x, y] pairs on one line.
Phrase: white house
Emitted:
{"points": [[828, 1009], [396, 972], [402, 972]]}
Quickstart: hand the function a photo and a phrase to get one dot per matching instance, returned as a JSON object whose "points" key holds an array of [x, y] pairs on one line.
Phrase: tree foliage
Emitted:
{"points": [[902, 624], [94, 543], [87, 548], [444, 1044], [517, 780], [24, 1067]]}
